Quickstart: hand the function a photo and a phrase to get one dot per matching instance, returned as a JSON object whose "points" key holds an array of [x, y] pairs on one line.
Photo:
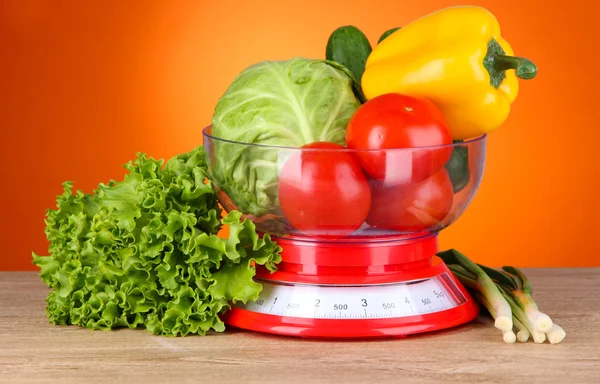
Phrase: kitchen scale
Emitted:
{"points": [[371, 284], [389, 288]]}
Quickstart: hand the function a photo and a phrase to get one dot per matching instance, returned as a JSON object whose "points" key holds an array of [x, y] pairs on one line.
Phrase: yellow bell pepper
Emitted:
{"points": [[456, 58]]}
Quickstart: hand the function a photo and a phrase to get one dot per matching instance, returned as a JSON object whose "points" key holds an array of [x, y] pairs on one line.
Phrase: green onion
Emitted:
{"points": [[475, 278], [507, 335], [508, 297], [541, 322]]}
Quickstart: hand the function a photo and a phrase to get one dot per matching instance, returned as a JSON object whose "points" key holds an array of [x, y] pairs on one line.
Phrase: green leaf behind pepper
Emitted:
{"points": [[458, 167], [385, 34], [348, 46]]}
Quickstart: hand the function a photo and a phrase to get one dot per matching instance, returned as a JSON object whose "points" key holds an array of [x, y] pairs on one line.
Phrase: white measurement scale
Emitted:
{"points": [[319, 293], [355, 302]]}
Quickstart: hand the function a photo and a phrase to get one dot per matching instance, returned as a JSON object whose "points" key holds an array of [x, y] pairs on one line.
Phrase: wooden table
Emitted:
{"points": [[32, 350]]}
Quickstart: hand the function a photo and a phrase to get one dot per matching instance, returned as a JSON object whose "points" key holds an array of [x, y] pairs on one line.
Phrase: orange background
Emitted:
{"points": [[85, 85]]}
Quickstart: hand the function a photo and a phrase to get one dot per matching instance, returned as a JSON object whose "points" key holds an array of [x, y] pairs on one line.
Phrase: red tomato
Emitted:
{"points": [[413, 208], [398, 121], [324, 193]]}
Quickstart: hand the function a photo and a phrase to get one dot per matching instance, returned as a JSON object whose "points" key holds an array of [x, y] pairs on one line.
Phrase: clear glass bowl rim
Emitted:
{"points": [[466, 142]]}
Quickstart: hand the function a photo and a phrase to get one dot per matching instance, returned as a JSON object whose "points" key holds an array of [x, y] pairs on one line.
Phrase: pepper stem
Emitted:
{"points": [[496, 62], [525, 69]]}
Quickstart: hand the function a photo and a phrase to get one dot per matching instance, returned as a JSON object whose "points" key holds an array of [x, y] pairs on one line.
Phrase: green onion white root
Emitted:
{"points": [[556, 334], [523, 333]]}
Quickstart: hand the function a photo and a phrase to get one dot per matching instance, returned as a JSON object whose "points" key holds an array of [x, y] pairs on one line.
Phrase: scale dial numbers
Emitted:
{"points": [[354, 302]]}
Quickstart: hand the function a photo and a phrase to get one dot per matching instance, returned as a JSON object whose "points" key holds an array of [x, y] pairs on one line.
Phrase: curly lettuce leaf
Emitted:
{"points": [[144, 252]]}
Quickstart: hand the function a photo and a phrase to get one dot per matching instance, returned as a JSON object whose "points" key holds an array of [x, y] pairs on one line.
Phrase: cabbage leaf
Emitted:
{"points": [[276, 103]]}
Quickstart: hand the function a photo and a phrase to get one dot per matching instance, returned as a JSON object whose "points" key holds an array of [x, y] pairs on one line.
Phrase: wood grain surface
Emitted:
{"points": [[34, 351]]}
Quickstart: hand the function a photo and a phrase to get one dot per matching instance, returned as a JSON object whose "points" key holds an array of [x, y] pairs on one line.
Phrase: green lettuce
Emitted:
{"points": [[144, 252], [276, 103]]}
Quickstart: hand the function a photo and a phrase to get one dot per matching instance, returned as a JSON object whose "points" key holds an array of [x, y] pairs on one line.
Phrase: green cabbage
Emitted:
{"points": [[144, 252], [276, 103]]}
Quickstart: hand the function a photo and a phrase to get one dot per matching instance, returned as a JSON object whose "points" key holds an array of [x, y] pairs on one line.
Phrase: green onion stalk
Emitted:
{"points": [[523, 333], [522, 295], [471, 275], [507, 335]]}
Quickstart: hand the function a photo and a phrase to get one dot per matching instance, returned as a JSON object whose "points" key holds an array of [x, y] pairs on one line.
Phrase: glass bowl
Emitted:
{"points": [[331, 192]]}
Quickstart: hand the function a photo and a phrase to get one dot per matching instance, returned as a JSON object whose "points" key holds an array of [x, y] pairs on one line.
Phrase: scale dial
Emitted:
{"points": [[418, 297]]}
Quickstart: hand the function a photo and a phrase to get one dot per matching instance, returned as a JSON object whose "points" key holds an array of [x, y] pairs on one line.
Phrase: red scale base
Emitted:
{"points": [[358, 262]]}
